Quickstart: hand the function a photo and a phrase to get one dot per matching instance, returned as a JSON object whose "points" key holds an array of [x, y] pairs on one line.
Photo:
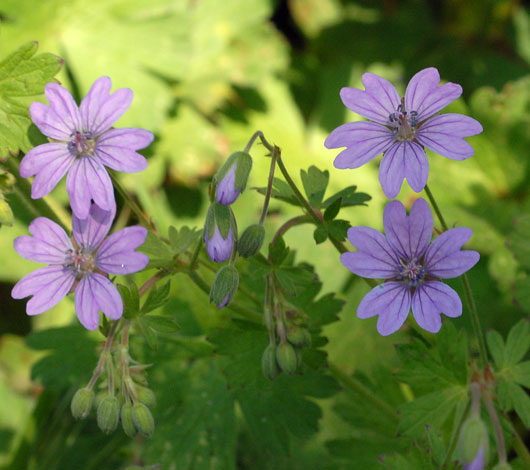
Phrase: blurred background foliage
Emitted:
{"points": [[206, 74]]}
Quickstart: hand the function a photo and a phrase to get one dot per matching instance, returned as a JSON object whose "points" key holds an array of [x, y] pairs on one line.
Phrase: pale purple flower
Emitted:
{"points": [[83, 142], [411, 266], [79, 264], [401, 128], [478, 462], [218, 248], [226, 192]]}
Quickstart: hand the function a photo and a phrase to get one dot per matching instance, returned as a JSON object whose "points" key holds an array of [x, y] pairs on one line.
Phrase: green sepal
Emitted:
{"points": [[230, 161], [225, 284], [127, 422], [82, 403], [269, 364], [244, 165], [143, 419], [220, 216], [108, 414], [251, 240]]}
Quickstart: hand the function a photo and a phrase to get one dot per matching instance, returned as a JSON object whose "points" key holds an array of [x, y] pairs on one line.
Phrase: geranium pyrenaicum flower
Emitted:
{"points": [[411, 266], [401, 128], [83, 141], [79, 264]]}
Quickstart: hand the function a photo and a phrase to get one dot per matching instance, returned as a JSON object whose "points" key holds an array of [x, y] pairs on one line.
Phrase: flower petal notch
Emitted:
{"points": [[84, 142], [81, 264], [400, 129], [411, 266]]}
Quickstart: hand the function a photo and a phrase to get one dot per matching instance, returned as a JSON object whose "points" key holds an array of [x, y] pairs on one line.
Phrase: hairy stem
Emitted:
{"points": [[104, 356], [501, 445], [269, 187]]}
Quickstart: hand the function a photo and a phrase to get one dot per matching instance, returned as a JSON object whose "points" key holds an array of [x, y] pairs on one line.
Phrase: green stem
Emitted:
{"points": [[301, 219], [501, 445], [477, 329], [354, 385], [104, 355], [269, 187]]}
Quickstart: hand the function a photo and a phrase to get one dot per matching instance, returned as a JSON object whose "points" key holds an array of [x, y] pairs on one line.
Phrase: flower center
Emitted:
{"points": [[79, 261], [82, 143], [403, 123], [412, 272]]}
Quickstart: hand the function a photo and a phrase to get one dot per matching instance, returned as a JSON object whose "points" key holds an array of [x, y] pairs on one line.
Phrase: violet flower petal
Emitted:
{"points": [[86, 307], [116, 254], [99, 111], [432, 299], [40, 156], [63, 105], [47, 285], [92, 230], [391, 301], [48, 244], [116, 148], [408, 236], [52, 172], [226, 192], [45, 118], [376, 103], [443, 258], [218, 248], [425, 97], [375, 258]]}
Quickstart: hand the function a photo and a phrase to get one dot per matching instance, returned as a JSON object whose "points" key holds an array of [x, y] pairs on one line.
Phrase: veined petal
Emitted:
{"points": [[78, 189], [116, 148], [40, 156], [403, 159], [92, 230], [64, 106], [391, 301], [95, 292], [376, 103], [443, 257], [99, 110], [47, 286], [432, 299], [52, 172], [45, 118], [116, 254], [49, 243], [443, 135], [408, 236]]}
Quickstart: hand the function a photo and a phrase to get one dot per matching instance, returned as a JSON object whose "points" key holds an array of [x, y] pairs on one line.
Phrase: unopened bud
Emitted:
{"points": [[269, 364], [82, 403], [108, 414], [251, 240], [219, 233], [146, 396], [232, 177], [143, 419], [474, 443], [224, 286], [127, 422], [286, 357]]}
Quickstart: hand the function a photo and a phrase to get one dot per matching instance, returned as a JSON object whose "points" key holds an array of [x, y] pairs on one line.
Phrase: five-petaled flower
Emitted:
{"points": [[83, 141], [401, 128], [411, 266], [81, 264]]}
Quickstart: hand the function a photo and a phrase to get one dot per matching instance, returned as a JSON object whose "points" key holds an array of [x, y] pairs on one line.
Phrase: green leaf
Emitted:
{"points": [[518, 343], [520, 401], [22, 75], [522, 293], [333, 210], [496, 347], [320, 234], [147, 332], [282, 191], [161, 323], [520, 373], [131, 300], [519, 241], [315, 182], [278, 251], [160, 254], [293, 278], [349, 197], [157, 297], [181, 239], [338, 228]]}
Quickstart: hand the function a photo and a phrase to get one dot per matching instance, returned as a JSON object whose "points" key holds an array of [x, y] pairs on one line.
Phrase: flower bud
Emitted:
{"points": [[143, 419], [127, 422], [474, 443], [82, 403], [268, 363], [146, 396], [219, 233], [224, 286], [286, 357], [502, 466], [298, 336], [232, 178], [108, 414], [251, 240]]}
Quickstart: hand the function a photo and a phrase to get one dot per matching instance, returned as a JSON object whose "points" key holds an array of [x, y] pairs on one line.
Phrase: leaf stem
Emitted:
{"points": [[356, 386], [477, 329], [501, 445], [104, 355], [269, 186]]}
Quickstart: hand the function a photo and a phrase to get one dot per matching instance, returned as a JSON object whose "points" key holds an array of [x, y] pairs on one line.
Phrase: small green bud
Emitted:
{"points": [[473, 437], [502, 466], [251, 240], [224, 286], [143, 419], [6, 214], [127, 422], [268, 363], [82, 403], [108, 414], [295, 335], [146, 396], [286, 357]]}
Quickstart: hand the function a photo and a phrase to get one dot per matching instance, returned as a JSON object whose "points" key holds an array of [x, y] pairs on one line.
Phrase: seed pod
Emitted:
{"points": [[108, 414], [286, 357], [82, 403], [143, 419], [127, 422], [269, 364], [295, 335], [146, 396]]}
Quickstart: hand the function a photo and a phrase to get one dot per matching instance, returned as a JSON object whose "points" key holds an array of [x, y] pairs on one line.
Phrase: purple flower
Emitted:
{"points": [[79, 264], [232, 178], [401, 128], [83, 142], [411, 266], [478, 461], [218, 248], [226, 192], [219, 232]]}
